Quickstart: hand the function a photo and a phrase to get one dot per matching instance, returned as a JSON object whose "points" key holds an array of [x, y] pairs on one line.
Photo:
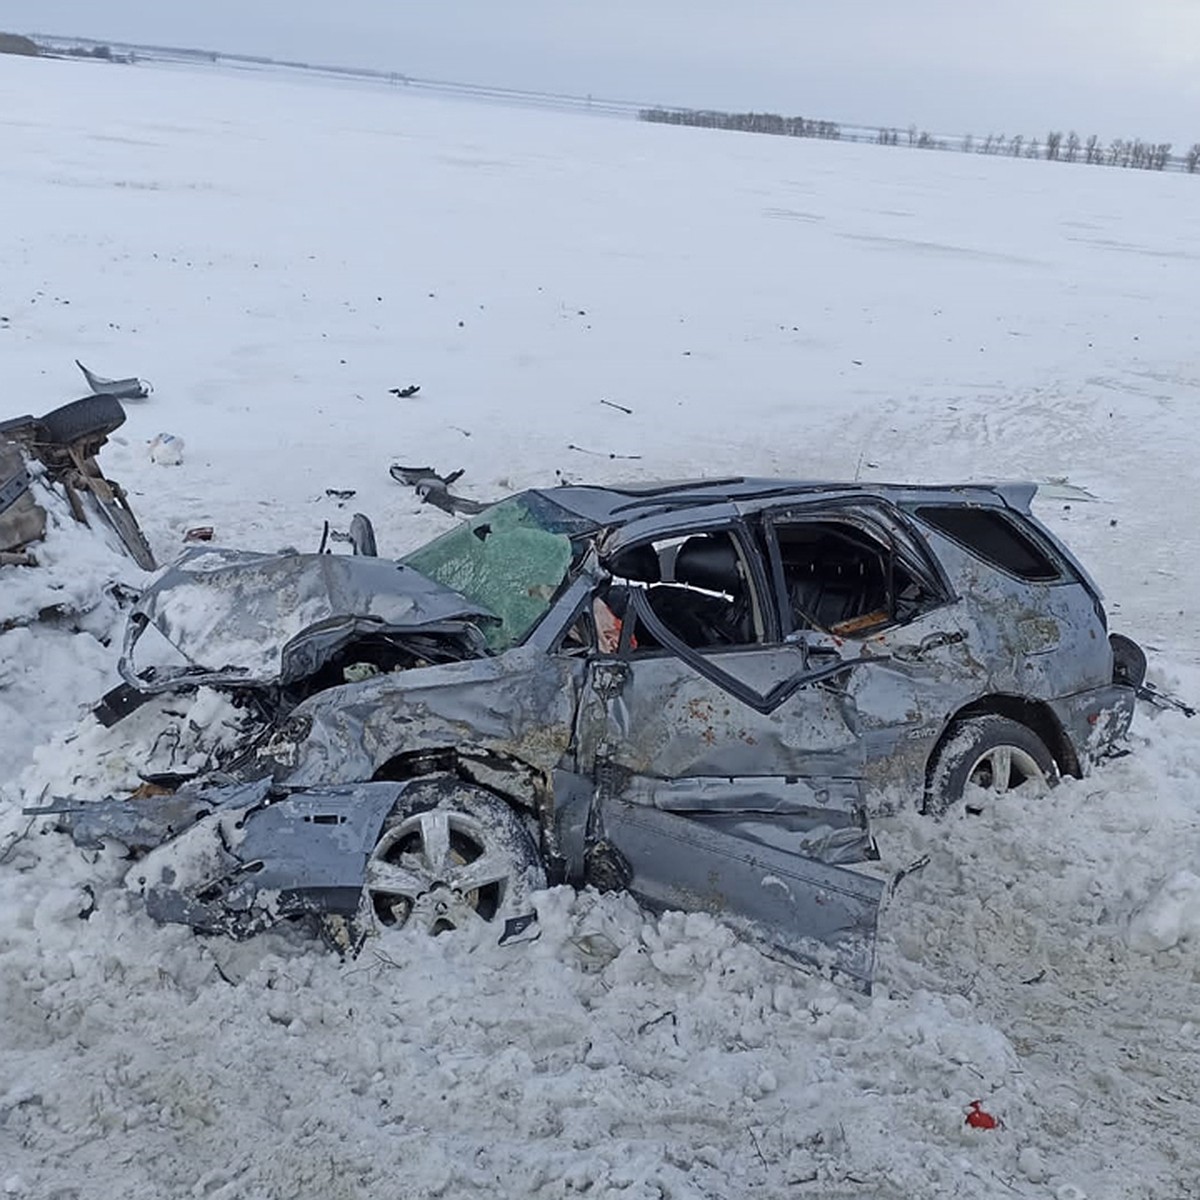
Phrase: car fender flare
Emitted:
{"points": [[1036, 715]]}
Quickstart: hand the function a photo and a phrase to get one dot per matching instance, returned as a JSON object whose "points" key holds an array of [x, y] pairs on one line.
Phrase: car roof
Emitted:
{"points": [[622, 504]]}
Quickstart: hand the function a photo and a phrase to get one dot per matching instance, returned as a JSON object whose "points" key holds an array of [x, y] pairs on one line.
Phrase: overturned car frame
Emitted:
{"points": [[686, 690], [66, 443]]}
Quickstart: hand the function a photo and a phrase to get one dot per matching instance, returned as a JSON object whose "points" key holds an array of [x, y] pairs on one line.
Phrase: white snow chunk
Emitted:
{"points": [[1169, 916], [166, 450]]}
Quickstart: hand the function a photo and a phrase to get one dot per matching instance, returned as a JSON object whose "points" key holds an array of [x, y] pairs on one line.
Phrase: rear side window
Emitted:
{"points": [[990, 535]]}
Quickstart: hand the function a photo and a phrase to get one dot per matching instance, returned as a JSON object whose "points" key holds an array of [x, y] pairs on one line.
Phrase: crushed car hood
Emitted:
{"points": [[247, 619]]}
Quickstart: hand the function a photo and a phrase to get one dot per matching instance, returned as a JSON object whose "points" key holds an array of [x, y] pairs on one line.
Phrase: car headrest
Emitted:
{"points": [[708, 562], [639, 563]]}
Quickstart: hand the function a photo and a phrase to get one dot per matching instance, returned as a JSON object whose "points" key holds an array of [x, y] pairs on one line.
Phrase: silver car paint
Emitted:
{"points": [[652, 752]]}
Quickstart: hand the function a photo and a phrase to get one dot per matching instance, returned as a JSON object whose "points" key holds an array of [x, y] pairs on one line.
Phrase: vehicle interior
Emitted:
{"points": [[841, 579], [837, 578], [697, 586]]}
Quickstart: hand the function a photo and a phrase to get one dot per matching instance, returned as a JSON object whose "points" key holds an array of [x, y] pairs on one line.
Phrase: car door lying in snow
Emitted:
{"points": [[728, 776]]}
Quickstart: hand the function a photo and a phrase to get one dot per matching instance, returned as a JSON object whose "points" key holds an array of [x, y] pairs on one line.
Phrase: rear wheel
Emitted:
{"points": [[987, 756], [451, 856]]}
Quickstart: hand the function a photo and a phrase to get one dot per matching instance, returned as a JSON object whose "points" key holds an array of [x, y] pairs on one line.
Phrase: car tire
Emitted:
{"points": [[92, 417], [991, 753], [450, 856]]}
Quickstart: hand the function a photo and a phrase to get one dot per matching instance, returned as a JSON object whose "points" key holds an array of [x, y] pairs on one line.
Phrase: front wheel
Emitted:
{"points": [[451, 856], [988, 755]]}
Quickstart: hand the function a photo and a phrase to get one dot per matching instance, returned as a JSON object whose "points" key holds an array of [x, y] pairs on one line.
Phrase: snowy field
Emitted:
{"points": [[275, 256]]}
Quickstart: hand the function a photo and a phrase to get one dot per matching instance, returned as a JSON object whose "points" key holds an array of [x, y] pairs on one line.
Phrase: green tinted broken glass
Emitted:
{"points": [[509, 559]]}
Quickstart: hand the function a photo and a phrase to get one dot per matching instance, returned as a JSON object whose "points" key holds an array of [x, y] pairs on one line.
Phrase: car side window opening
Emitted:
{"points": [[992, 536], [599, 624], [698, 586], [841, 579], [580, 635]]}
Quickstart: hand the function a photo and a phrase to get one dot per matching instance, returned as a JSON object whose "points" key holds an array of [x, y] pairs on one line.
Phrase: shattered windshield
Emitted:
{"points": [[510, 559]]}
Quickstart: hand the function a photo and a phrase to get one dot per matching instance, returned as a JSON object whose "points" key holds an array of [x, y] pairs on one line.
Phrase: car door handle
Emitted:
{"points": [[934, 641]]}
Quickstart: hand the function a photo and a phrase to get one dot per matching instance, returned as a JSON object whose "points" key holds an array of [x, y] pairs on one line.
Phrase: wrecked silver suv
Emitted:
{"points": [[686, 690]]}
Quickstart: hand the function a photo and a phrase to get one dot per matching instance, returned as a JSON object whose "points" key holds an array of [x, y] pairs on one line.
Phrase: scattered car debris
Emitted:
{"points": [[602, 453], [360, 536], [913, 867], [66, 442], [22, 520], [131, 388], [198, 533], [434, 489], [166, 450], [1059, 487], [618, 407], [411, 476], [341, 493], [686, 690], [405, 392], [1164, 701], [979, 1118]]}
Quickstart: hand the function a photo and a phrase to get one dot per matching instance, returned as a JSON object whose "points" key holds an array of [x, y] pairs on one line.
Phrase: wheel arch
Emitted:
{"points": [[522, 786], [1036, 715], [526, 789]]}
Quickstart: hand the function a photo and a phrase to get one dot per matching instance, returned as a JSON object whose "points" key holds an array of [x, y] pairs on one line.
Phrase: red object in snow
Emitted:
{"points": [[978, 1119]]}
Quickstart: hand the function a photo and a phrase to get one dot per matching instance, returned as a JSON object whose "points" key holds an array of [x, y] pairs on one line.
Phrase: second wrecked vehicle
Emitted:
{"points": [[687, 690]]}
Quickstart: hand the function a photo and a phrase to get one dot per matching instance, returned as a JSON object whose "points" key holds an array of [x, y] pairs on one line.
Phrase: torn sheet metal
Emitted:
{"points": [[130, 388], [241, 870], [142, 822], [236, 859], [823, 914], [432, 488], [518, 706], [246, 619]]}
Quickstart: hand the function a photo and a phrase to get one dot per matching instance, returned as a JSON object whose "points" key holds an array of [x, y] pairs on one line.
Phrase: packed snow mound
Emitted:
{"points": [[1170, 916], [81, 571], [58, 624], [186, 734]]}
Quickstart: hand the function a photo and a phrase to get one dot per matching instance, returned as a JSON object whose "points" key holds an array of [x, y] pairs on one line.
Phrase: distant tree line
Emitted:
{"points": [[1057, 147], [749, 122], [1150, 156], [104, 52]]}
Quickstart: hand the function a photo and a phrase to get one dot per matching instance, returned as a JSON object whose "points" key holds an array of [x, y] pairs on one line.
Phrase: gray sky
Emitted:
{"points": [[1113, 67]]}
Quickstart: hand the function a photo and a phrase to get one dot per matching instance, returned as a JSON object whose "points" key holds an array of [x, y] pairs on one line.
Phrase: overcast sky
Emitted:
{"points": [[1113, 67]]}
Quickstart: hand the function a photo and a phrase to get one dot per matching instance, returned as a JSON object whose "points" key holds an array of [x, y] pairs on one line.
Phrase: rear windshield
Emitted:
{"points": [[995, 538]]}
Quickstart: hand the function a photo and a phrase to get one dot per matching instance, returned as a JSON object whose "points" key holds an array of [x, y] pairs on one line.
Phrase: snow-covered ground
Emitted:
{"points": [[275, 256]]}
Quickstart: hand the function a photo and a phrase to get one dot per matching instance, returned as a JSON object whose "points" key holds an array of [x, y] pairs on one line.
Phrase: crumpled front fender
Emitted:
{"points": [[242, 868]]}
